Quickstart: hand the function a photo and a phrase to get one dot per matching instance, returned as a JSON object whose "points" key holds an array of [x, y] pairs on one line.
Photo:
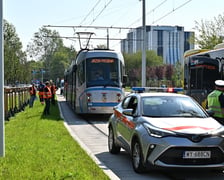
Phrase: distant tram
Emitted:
{"points": [[94, 82], [201, 69]]}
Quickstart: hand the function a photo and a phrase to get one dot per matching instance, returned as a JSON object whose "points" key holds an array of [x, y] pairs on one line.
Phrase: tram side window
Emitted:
{"points": [[196, 78], [202, 78], [81, 73]]}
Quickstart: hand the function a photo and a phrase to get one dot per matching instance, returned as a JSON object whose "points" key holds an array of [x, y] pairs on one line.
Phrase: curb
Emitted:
{"points": [[106, 170]]}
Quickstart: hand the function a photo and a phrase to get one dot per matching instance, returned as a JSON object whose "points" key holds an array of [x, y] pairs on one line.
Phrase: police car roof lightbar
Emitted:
{"points": [[138, 89], [157, 89]]}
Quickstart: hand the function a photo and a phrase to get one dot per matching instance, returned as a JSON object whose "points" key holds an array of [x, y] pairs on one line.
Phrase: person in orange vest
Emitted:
{"points": [[33, 91], [53, 92], [47, 98], [41, 92]]}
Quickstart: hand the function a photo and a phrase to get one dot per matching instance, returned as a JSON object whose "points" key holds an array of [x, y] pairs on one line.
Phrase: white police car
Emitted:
{"points": [[166, 130]]}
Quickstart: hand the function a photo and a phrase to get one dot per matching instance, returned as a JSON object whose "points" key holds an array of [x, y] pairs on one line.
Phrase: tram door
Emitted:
{"points": [[202, 83]]}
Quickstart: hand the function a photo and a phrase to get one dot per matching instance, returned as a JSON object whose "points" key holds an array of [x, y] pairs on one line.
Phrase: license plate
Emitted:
{"points": [[197, 155]]}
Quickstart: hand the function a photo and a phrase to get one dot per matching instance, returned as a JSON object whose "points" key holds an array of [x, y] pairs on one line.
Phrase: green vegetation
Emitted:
{"points": [[210, 32], [45, 58], [40, 147], [157, 73]]}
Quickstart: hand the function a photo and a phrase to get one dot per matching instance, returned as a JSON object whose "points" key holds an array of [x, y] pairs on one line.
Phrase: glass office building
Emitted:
{"points": [[170, 42]]}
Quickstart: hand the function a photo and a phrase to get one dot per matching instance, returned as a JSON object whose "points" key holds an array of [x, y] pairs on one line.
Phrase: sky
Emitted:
{"points": [[28, 16]]}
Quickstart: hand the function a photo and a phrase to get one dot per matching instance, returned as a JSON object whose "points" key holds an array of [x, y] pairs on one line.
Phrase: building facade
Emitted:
{"points": [[170, 42]]}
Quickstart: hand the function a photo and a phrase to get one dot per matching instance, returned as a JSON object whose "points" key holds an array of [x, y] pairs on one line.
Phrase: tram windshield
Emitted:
{"points": [[102, 72]]}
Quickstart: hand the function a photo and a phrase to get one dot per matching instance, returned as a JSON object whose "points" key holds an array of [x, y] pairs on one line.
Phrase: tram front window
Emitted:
{"points": [[102, 72]]}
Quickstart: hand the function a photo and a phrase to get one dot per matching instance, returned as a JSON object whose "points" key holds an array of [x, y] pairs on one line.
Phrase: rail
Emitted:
{"points": [[15, 100]]}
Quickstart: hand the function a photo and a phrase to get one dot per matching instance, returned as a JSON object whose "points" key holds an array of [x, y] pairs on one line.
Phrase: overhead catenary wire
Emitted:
{"points": [[120, 28], [90, 12], [94, 27], [171, 11], [149, 12], [100, 12], [158, 6], [155, 8], [95, 38]]}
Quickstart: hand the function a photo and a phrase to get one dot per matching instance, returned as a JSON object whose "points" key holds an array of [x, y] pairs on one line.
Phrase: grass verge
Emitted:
{"points": [[40, 147]]}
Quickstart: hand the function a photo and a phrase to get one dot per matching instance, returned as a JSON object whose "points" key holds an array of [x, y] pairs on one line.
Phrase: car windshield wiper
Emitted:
{"points": [[148, 115], [190, 113]]}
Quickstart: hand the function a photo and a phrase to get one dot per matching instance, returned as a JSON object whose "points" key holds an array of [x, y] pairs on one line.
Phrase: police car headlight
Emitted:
{"points": [[157, 132], [219, 132]]}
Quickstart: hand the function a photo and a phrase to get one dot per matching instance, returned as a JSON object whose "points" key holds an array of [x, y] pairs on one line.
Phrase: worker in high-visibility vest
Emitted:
{"points": [[33, 91], [41, 92], [216, 101], [47, 98], [53, 92]]}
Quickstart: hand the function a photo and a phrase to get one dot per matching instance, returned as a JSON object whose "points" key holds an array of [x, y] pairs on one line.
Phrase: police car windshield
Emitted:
{"points": [[171, 106]]}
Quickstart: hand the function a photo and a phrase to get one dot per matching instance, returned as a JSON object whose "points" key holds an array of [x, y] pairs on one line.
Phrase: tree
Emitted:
{"points": [[160, 72], [178, 74], [15, 65], [45, 44], [133, 63], [211, 32], [169, 71], [36, 70], [61, 60], [48, 47]]}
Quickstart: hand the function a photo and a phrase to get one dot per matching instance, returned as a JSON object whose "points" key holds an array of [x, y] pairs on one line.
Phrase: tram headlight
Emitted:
{"points": [[118, 97], [89, 97]]}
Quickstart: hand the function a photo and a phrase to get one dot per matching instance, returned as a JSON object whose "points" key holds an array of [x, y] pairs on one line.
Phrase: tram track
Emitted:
{"points": [[89, 121]]}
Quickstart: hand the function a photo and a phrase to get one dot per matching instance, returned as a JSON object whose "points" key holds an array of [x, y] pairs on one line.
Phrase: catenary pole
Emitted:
{"points": [[2, 118], [143, 45]]}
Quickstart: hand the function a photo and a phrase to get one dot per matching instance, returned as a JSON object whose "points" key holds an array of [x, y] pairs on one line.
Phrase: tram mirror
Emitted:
{"points": [[74, 68], [125, 79], [185, 82]]}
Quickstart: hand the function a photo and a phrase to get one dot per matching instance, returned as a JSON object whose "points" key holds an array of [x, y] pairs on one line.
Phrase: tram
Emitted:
{"points": [[95, 81]]}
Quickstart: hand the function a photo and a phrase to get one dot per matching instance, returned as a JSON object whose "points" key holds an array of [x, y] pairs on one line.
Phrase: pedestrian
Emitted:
{"points": [[47, 98], [62, 86], [53, 92], [216, 101], [41, 92], [33, 91]]}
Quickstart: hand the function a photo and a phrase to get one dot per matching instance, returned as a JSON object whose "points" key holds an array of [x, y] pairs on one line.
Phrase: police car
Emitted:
{"points": [[165, 130]]}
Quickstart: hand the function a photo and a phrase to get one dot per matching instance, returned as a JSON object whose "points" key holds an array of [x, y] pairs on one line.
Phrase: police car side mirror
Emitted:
{"points": [[210, 112], [128, 112]]}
